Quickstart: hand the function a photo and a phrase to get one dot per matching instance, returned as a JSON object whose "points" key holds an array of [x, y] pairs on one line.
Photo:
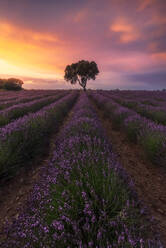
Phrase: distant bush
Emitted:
{"points": [[11, 84], [2, 83]]}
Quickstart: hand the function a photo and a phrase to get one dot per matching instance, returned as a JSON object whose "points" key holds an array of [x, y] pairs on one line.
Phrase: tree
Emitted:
{"points": [[13, 84], [2, 81], [81, 71]]}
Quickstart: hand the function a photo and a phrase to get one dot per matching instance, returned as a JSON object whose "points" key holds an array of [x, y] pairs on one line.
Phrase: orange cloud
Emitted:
{"points": [[30, 51], [126, 31], [144, 4], [9, 30], [159, 56], [80, 16], [157, 19]]}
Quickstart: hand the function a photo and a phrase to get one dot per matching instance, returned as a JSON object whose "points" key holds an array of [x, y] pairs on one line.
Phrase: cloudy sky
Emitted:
{"points": [[126, 38]]}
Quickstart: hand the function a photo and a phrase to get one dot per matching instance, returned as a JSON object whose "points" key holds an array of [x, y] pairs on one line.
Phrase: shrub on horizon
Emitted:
{"points": [[11, 84]]}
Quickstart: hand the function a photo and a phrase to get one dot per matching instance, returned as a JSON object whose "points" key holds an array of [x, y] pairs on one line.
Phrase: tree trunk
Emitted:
{"points": [[83, 82]]}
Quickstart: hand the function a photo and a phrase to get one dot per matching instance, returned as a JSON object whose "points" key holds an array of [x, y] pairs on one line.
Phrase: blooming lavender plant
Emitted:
{"points": [[22, 139], [18, 110], [11, 98], [141, 130], [141, 106], [84, 198]]}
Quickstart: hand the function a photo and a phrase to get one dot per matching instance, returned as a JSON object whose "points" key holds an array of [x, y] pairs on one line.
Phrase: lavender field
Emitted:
{"points": [[88, 192]]}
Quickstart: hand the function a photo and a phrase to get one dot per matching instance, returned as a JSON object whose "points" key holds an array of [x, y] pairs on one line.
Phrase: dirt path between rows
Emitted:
{"points": [[14, 192], [149, 180]]}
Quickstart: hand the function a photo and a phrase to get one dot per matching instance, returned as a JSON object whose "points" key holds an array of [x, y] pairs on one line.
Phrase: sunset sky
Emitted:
{"points": [[126, 38]]}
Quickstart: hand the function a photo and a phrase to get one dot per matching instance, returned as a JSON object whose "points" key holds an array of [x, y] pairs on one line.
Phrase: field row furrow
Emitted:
{"points": [[26, 97], [84, 198], [19, 110], [151, 136], [155, 113], [16, 95], [154, 98], [24, 138]]}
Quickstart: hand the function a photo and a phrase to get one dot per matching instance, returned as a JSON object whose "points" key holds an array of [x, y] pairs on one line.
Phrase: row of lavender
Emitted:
{"points": [[84, 198], [147, 107], [25, 96], [154, 98], [24, 138], [14, 95], [6, 95], [151, 136], [15, 111]]}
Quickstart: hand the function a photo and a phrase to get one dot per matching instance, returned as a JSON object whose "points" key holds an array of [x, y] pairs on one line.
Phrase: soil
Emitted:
{"points": [[15, 191], [149, 179]]}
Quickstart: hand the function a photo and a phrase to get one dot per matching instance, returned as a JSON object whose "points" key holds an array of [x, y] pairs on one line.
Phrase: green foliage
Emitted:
{"points": [[24, 144], [154, 146], [159, 116], [118, 118], [105, 192], [81, 72], [148, 102], [133, 128], [11, 84]]}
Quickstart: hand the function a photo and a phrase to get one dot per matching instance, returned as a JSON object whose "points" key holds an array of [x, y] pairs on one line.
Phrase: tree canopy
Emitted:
{"points": [[11, 84], [81, 72]]}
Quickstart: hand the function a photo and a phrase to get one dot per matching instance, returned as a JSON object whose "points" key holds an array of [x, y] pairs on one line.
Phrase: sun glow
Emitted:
{"points": [[24, 52], [9, 69]]}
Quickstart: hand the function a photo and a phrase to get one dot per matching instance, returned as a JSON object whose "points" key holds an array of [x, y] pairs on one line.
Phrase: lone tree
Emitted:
{"points": [[81, 71]]}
